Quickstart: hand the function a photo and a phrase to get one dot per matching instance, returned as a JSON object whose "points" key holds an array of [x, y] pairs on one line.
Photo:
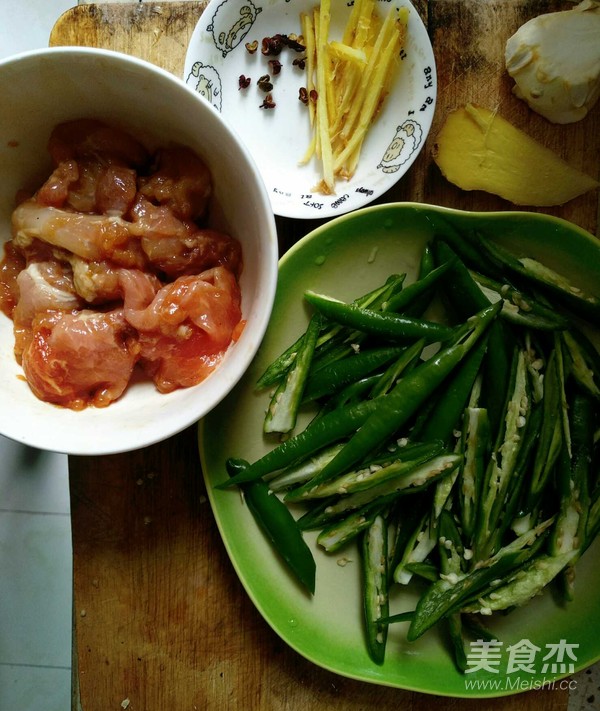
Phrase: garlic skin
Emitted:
{"points": [[555, 61]]}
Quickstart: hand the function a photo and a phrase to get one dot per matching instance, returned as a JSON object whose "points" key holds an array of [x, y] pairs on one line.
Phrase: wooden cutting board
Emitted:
{"points": [[160, 618]]}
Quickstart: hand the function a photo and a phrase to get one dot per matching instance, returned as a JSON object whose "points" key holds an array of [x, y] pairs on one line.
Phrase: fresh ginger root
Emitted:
{"points": [[476, 149]]}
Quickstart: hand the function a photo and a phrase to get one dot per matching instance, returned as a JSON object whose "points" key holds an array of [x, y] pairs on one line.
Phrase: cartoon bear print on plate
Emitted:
{"points": [[229, 27], [207, 82], [405, 142]]}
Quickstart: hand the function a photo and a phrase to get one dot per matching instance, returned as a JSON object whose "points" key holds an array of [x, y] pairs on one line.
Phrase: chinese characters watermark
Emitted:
{"points": [[526, 662]]}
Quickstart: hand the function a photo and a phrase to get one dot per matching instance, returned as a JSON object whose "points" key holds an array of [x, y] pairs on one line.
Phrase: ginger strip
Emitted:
{"points": [[352, 78]]}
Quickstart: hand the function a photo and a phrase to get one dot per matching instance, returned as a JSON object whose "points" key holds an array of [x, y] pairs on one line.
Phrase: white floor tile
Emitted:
{"points": [[32, 480], [27, 25], [35, 547], [25, 688], [35, 589]]}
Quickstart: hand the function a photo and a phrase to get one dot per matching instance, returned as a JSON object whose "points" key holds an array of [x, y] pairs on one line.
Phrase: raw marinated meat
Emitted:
{"points": [[112, 266], [79, 359]]}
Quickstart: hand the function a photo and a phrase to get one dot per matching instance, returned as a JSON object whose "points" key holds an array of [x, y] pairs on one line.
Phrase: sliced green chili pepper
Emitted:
{"points": [[343, 372], [465, 245], [513, 507], [454, 396], [476, 448], [452, 564], [277, 522], [427, 571], [409, 521], [383, 324], [454, 622], [416, 480], [475, 629], [339, 341], [394, 409], [417, 547], [502, 464], [427, 262], [337, 534], [447, 596], [351, 394], [406, 462], [304, 470], [573, 477], [450, 545], [323, 431], [408, 359], [466, 298], [585, 361], [527, 441], [280, 365], [316, 517], [375, 586], [523, 585], [555, 284], [551, 435], [283, 409], [518, 308], [415, 291], [592, 528]]}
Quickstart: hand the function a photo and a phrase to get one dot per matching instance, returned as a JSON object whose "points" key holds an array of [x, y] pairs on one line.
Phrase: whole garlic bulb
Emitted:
{"points": [[555, 61]]}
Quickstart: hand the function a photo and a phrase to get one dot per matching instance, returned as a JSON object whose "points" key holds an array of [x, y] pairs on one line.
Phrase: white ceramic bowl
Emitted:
{"points": [[43, 88]]}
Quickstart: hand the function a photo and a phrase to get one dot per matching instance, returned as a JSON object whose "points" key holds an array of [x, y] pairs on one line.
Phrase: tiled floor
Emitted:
{"points": [[35, 528], [35, 585], [35, 535]]}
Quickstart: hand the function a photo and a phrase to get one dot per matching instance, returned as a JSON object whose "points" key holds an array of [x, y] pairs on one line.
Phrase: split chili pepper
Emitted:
{"points": [[322, 432], [382, 324], [476, 448], [466, 298], [451, 555], [584, 359], [454, 396], [573, 481], [417, 290], [374, 298], [408, 360], [279, 525], [410, 479], [534, 272], [551, 435], [333, 377], [401, 469], [445, 597], [352, 393], [285, 403], [427, 262], [519, 308], [465, 245], [416, 539], [502, 464], [525, 583], [336, 535], [373, 552], [305, 470], [394, 410]]}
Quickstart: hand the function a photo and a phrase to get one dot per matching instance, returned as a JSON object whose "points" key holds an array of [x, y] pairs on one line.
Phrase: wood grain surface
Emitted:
{"points": [[161, 620]]}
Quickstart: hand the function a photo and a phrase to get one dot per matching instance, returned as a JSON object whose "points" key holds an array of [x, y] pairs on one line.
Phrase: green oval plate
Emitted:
{"points": [[345, 258]]}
